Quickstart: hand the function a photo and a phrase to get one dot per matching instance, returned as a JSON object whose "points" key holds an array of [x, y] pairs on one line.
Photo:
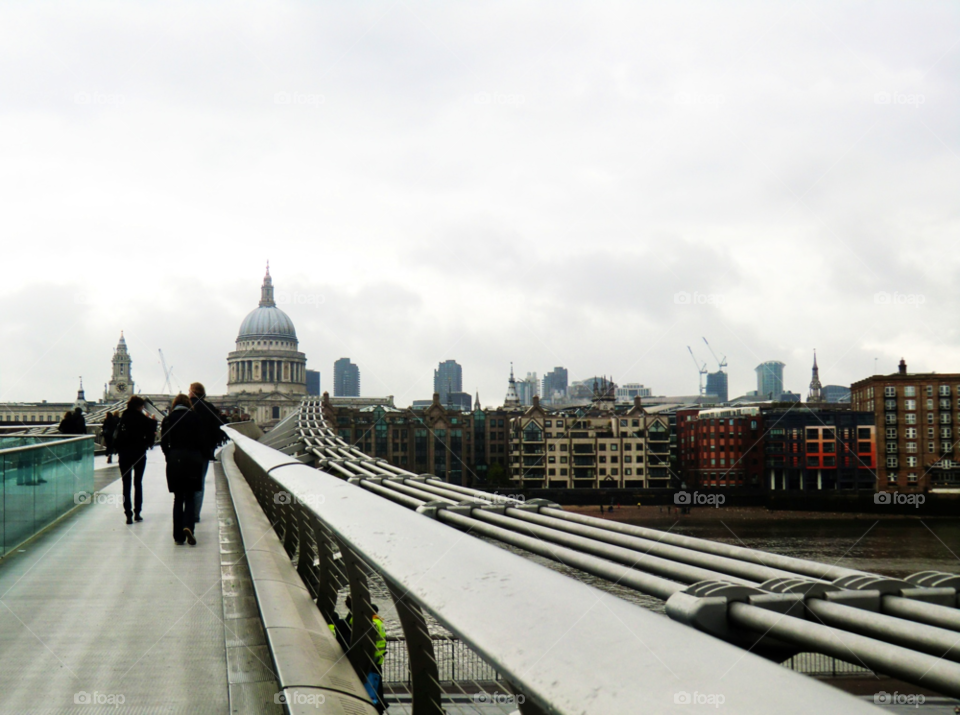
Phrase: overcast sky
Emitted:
{"points": [[593, 185]]}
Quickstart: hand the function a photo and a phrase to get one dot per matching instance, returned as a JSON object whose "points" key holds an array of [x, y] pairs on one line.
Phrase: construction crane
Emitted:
{"points": [[702, 369], [722, 363], [167, 372]]}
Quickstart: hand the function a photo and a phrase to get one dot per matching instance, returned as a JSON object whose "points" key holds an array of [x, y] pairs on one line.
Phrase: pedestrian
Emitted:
{"points": [[78, 422], [375, 677], [183, 444], [134, 433], [110, 423], [212, 421], [66, 424]]}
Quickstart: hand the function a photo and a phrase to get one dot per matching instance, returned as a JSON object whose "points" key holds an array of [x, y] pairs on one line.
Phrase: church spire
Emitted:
{"points": [[815, 386], [512, 399], [266, 291]]}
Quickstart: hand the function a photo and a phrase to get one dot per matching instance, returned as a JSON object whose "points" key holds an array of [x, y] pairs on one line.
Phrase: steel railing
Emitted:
{"points": [[567, 647]]}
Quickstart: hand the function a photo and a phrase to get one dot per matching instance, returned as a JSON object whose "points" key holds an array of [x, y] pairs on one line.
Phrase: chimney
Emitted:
{"points": [[903, 366]]}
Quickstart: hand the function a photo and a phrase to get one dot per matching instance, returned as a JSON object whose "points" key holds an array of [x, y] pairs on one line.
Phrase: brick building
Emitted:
{"points": [[590, 447], [826, 448], [721, 447], [915, 414], [459, 447]]}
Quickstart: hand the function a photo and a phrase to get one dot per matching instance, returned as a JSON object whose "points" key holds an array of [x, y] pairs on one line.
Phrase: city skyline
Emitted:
{"points": [[771, 198]]}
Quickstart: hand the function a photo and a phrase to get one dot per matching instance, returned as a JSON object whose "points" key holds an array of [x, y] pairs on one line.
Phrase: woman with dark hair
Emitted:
{"points": [[110, 423], [134, 434], [183, 444]]}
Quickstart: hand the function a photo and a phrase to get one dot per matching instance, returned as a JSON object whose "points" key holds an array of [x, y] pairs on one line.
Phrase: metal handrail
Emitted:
{"points": [[568, 647], [58, 440]]}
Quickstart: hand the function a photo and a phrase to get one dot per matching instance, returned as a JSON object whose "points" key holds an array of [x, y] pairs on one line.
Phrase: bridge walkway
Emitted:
{"points": [[95, 612]]}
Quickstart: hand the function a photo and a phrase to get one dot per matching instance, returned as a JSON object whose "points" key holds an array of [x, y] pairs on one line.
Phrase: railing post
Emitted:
{"points": [[362, 634], [329, 578], [424, 677]]}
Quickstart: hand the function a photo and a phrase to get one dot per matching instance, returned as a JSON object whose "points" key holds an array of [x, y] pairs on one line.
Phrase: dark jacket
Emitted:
{"points": [[74, 423], [184, 445], [134, 432], [212, 420], [110, 423]]}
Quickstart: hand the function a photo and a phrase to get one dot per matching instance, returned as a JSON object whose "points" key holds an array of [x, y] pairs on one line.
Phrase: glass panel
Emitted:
{"points": [[40, 484]]}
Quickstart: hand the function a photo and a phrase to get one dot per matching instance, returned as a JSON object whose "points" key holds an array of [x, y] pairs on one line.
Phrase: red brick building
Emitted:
{"points": [[916, 415]]}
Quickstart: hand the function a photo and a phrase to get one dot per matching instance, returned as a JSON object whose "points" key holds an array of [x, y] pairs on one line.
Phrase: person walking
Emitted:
{"points": [[79, 423], [183, 444], [110, 423], [212, 420], [134, 434], [66, 424]]}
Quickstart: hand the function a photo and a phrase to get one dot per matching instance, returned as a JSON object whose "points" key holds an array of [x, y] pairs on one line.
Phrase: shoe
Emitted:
{"points": [[190, 540], [129, 519], [138, 518], [179, 543]]}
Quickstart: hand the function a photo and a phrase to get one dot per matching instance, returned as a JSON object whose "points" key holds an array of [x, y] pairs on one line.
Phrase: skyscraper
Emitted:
{"points": [[447, 378], [313, 382], [527, 388], [346, 379], [555, 385], [770, 380], [717, 385]]}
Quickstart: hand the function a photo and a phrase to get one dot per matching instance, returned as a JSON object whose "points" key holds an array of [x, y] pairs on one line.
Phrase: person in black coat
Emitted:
{"points": [[183, 444], [134, 434], [110, 423], [212, 421]]}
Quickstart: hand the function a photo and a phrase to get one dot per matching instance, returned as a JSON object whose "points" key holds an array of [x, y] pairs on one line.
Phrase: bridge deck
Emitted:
{"points": [[101, 610]]}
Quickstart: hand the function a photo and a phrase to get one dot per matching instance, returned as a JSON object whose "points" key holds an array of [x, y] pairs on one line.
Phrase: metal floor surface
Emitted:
{"points": [[100, 617]]}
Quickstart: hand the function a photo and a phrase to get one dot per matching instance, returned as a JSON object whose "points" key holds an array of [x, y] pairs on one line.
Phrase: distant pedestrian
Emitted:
{"points": [[135, 432], [110, 423], [212, 421], [601, 508], [66, 424], [184, 446], [79, 423]]}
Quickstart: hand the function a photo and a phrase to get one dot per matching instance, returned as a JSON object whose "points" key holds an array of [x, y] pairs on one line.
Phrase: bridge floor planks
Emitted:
{"points": [[95, 610]]}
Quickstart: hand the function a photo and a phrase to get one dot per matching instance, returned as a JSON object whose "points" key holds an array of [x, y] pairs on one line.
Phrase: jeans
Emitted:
{"points": [[183, 514], [198, 497], [132, 464]]}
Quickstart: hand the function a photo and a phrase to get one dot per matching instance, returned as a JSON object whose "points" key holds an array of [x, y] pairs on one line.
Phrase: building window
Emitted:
{"points": [[930, 418], [628, 472], [909, 447], [931, 446], [891, 462], [890, 391], [892, 432], [911, 478], [910, 432], [908, 391], [911, 461], [907, 405], [563, 472], [929, 390], [910, 419]]}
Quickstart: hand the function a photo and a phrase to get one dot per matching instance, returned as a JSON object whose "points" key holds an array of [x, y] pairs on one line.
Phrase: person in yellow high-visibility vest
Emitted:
{"points": [[379, 653]]}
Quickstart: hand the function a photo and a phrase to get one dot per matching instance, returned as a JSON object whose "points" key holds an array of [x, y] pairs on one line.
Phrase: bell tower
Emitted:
{"points": [[121, 380]]}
